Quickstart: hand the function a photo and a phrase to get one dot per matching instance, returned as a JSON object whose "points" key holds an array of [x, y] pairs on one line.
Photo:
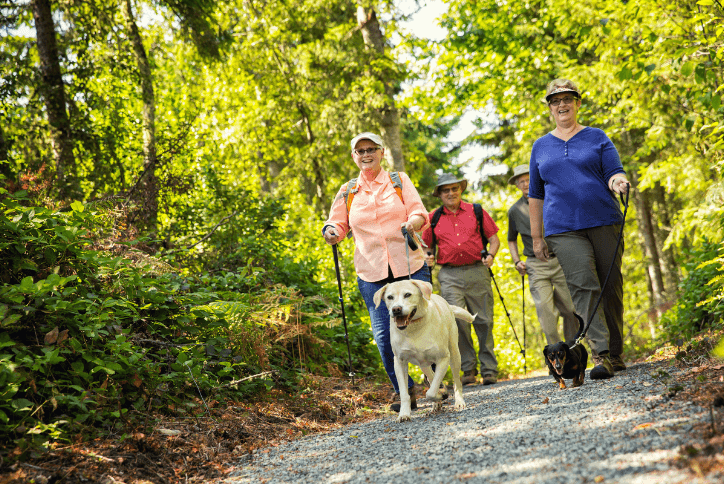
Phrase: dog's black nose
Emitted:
{"points": [[396, 310]]}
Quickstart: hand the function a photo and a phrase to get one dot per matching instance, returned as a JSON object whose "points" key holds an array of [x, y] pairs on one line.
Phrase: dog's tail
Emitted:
{"points": [[581, 327], [462, 314]]}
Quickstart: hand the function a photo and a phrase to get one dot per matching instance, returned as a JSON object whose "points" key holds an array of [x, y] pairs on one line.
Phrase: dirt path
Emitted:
{"points": [[624, 430]]}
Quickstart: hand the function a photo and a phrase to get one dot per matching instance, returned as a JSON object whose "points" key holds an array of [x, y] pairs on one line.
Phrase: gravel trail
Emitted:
{"points": [[622, 430]]}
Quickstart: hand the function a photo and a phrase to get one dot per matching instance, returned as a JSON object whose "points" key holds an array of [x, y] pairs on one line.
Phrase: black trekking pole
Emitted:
{"points": [[485, 254], [344, 318], [525, 367]]}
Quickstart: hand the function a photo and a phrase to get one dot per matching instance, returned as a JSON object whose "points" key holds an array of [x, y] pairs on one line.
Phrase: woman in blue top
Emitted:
{"points": [[575, 178]]}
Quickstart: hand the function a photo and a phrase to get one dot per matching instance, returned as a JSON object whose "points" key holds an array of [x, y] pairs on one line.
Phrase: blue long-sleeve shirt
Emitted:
{"points": [[571, 177]]}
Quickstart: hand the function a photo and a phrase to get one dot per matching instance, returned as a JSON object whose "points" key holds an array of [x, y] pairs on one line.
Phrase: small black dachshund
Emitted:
{"points": [[565, 362]]}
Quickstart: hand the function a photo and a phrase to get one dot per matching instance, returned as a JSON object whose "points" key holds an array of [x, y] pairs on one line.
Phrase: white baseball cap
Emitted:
{"points": [[376, 139]]}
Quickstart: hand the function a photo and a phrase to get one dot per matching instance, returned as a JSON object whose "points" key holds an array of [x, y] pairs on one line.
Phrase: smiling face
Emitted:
{"points": [[405, 300], [369, 161], [565, 113], [451, 195]]}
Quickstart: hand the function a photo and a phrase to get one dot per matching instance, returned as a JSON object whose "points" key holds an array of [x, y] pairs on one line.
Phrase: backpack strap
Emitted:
{"points": [[433, 222], [353, 188], [479, 216], [350, 192], [397, 184]]}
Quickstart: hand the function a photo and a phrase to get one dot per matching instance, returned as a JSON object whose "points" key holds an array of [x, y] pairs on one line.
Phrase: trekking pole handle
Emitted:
{"points": [[484, 253]]}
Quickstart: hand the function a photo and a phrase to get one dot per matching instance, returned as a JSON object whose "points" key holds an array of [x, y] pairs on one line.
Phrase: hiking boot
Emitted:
{"points": [[617, 363], [490, 380], [443, 389], [395, 407], [603, 368], [469, 377]]}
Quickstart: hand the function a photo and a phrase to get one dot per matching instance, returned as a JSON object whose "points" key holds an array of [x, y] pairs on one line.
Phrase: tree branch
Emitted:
{"points": [[236, 382]]}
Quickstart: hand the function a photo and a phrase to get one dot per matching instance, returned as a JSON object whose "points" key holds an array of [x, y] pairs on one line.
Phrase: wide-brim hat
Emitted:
{"points": [[561, 89], [518, 171], [375, 138], [449, 179]]}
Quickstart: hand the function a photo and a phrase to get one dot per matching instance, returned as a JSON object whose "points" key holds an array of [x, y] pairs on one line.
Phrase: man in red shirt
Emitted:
{"points": [[464, 275]]}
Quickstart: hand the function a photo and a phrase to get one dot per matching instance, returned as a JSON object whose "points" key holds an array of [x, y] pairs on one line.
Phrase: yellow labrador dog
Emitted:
{"points": [[423, 331]]}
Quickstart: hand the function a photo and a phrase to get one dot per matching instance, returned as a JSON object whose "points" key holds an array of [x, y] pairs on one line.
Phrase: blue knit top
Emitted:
{"points": [[571, 177]]}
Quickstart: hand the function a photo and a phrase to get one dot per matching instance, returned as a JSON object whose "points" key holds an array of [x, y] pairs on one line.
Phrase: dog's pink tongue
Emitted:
{"points": [[401, 320]]}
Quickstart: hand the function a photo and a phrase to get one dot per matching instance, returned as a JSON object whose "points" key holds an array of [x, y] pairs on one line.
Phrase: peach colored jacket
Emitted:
{"points": [[375, 218]]}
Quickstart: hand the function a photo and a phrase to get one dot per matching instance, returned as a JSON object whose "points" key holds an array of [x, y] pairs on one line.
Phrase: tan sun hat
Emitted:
{"points": [[558, 86], [449, 179], [518, 171]]}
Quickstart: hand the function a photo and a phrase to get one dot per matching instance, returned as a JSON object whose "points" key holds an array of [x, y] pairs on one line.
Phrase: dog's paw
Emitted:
{"points": [[437, 407], [403, 418], [459, 404], [433, 395]]}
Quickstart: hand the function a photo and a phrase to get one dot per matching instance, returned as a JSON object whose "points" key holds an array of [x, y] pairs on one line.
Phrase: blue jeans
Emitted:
{"points": [[380, 319]]}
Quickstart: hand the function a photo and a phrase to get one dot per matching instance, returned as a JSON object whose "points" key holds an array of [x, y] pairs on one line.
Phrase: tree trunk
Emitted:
{"points": [[269, 171], [669, 267], [149, 183], [54, 96], [389, 114], [646, 226], [4, 159]]}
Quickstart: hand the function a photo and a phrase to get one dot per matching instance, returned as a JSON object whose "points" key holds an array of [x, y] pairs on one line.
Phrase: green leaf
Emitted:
{"points": [[687, 68], [27, 285], [77, 206], [22, 404], [29, 265], [12, 319]]}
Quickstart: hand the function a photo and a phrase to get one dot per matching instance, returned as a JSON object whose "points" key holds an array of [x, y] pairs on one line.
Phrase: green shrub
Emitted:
{"points": [[92, 340], [699, 306]]}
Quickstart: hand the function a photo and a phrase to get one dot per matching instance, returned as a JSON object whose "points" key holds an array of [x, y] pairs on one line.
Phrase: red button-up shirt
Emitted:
{"points": [[458, 237]]}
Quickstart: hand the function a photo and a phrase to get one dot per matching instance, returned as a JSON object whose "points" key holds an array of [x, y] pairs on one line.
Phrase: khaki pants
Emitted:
{"points": [[552, 299], [586, 256], [469, 287]]}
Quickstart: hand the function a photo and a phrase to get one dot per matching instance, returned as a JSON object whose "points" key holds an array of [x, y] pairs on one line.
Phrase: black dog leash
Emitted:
{"points": [[579, 339]]}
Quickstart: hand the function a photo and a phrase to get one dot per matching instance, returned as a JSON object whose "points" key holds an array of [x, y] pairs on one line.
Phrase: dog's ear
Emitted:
{"points": [[545, 350], [425, 288], [377, 298]]}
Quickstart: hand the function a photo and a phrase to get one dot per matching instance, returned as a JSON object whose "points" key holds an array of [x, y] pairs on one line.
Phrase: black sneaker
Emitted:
{"points": [[603, 368], [395, 407]]}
